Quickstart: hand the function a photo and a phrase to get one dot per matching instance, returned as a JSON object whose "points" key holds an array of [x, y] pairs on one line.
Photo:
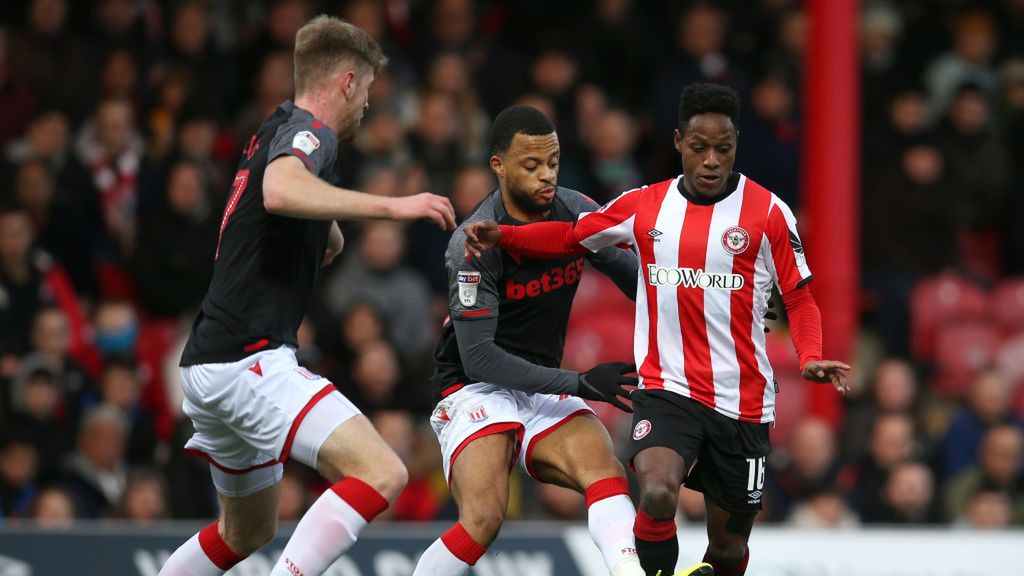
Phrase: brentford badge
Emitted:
{"points": [[642, 429], [735, 240]]}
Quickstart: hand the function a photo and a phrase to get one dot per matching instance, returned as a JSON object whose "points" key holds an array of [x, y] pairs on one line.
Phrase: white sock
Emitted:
{"points": [[450, 555], [204, 554], [610, 517], [329, 528]]}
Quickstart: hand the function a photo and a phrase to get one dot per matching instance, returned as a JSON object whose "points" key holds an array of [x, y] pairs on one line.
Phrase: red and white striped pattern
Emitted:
{"points": [[701, 300]]}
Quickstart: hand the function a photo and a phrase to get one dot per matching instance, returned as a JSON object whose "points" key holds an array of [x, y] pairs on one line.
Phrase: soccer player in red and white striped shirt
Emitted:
{"points": [[712, 243]]}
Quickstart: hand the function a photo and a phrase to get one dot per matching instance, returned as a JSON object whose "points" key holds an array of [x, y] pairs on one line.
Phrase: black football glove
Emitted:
{"points": [[605, 382], [770, 315]]}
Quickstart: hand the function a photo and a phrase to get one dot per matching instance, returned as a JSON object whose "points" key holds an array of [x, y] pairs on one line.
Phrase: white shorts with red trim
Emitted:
{"points": [[479, 410], [252, 415]]}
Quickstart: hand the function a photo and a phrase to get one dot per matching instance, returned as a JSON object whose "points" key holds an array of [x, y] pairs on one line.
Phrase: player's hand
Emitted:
{"points": [[481, 236], [828, 371], [607, 382], [425, 205]]}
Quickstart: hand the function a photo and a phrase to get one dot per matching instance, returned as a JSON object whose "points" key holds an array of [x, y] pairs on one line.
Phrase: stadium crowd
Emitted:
{"points": [[121, 122]]}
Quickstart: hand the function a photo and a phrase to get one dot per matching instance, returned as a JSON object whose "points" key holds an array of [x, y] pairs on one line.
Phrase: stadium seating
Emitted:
{"points": [[1007, 304], [961, 351], [941, 301]]}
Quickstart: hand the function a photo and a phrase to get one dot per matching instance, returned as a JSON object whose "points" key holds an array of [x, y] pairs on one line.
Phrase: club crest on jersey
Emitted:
{"points": [[477, 415], [468, 282], [305, 141], [642, 429], [735, 240]]}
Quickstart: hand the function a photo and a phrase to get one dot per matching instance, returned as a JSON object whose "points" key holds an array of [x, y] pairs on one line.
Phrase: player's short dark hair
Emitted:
{"points": [[704, 98], [325, 42], [514, 120]]}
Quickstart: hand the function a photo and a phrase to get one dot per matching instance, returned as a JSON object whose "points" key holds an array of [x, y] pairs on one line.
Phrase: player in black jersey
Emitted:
{"points": [[253, 407], [502, 396]]}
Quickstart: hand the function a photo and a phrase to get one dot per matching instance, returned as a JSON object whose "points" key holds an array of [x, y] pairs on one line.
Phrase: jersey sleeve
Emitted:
{"points": [[786, 260], [609, 225], [309, 141], [616, 262], [472, 283]]}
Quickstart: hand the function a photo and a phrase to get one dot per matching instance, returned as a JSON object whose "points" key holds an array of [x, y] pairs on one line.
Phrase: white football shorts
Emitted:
{"points": [[250, 416], [479, 410]]}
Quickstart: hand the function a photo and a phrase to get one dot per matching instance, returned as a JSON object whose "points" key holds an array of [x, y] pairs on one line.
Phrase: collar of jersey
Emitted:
{"points": [[730, 187], [501, 215]]}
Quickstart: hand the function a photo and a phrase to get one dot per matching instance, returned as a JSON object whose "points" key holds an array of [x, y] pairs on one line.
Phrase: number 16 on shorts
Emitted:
{"points": [[755, 477]]}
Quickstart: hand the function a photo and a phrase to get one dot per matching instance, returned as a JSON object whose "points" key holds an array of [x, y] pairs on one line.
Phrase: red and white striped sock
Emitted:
{"points": [[610, 517], [450, 555], [329, 528], [204, 554]]}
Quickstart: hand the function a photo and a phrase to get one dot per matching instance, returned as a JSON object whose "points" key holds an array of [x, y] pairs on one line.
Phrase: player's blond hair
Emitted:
{"points": [[325, 43]]}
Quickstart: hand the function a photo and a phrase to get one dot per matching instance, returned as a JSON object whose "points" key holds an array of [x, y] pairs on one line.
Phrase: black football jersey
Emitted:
{"points": [[531, 298], [265, 265]]}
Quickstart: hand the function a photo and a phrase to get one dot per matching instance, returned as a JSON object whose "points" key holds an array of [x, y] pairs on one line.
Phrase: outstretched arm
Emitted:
{"points": [[805, 329], [290, 189]]}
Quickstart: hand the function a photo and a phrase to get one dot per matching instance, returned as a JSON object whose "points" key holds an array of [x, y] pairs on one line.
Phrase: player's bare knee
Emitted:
{"points": [[388, 476], [727, 550], [658, 500]]}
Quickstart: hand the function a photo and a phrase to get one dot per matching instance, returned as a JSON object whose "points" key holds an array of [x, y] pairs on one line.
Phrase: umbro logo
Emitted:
{"points": [[654, 233], [756, 495]]}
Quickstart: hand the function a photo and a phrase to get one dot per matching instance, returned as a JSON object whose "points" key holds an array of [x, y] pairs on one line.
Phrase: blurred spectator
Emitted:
{"points": [[274, 83], [192, 494], [771, 127], [192, 51], [976, 159], [119, 79], [420, 500], [379, 146], [613, 167], [823, 510], [19, 466], [615, 49], [95, 474], [51, 351], [375, 380], [117, 327], [811, 468], [433, 139], [908, 497], [1000, 468], [111, 147], [16, 98], [118, 27], [913, 235], [975, 39], [374, 273], [174, 258], [883, 69], [988, 509], [145, 498], [560, 503], [892, 389], [29, 280], [58, 64], [892, 442], [988, 405], [1012, 83], [120, 387], [53, 509], [37, 401], [472, 184]]}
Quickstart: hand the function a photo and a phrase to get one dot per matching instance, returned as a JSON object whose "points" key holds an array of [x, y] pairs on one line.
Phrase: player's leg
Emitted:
{"points": [[575, 451], [728, 533], [479, 483], [366, 475], [246, 523], [665, 442]]}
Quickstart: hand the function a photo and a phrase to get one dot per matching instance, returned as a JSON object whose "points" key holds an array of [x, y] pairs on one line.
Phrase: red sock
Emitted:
{"points": [[651, 530], [734, 570], [216, 549], [462, 545]]}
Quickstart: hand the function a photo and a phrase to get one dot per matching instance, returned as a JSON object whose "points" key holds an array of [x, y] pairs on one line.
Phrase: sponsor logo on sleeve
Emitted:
{"points": [[305, 141], [468, 282]]}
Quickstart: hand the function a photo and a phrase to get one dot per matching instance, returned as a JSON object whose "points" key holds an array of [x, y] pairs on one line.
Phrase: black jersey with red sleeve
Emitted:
{"points": [[265, 265], [530, 300]]}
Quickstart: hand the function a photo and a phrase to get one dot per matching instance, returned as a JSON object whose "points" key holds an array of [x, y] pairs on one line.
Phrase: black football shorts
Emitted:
{"points": [[730, 454]]}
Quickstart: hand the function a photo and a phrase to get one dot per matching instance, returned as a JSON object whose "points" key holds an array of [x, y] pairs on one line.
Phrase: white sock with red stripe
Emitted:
{"points": [[329, 528], [610, 517], [204, 554], [450, 555]]}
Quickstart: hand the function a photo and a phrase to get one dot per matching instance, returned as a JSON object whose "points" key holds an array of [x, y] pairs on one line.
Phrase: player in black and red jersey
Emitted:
{"points": [[503, 398], [253, 407]]}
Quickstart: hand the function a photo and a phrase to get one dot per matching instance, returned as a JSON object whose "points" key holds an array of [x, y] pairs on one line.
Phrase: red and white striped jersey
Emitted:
{"points": [[706, 273]]}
